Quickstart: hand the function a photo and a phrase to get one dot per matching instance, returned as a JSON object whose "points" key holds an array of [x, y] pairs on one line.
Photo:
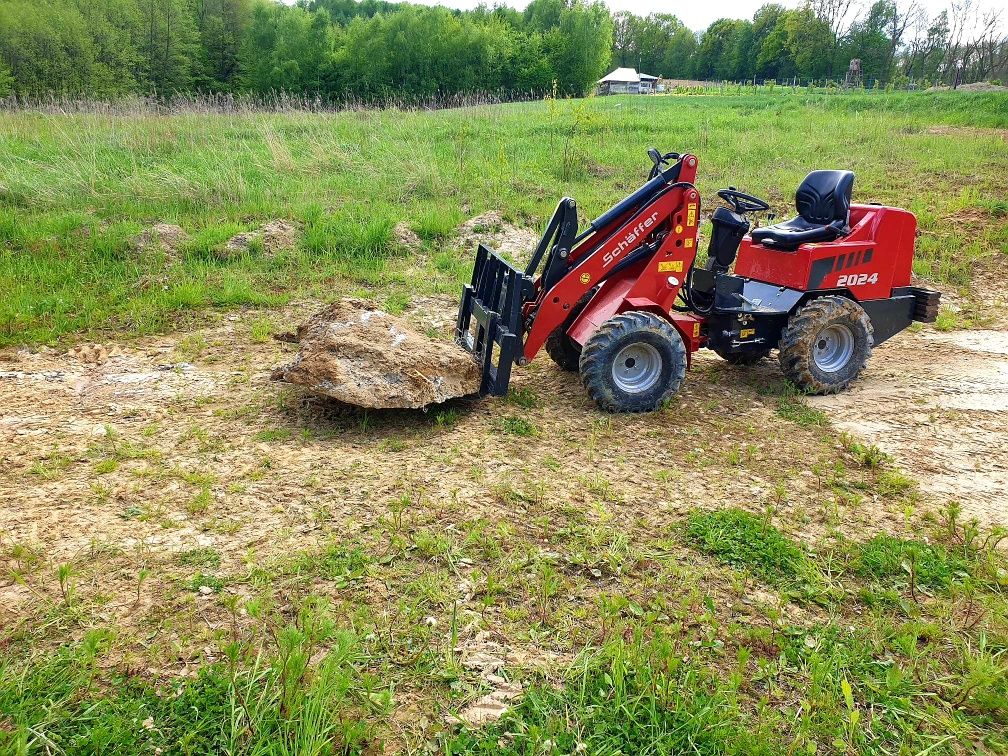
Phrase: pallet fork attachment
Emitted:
{"points": [[490, 325]]}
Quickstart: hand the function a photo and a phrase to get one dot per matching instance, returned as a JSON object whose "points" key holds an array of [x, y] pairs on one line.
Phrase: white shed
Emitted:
{"points": [[626, 81]]}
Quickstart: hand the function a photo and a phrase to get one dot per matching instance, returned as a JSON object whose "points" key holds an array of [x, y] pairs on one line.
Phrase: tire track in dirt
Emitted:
{"points": [[938, 403]]}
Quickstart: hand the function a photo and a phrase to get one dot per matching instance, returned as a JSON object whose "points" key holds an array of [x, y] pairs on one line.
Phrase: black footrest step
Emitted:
{"points": [[927, 302]]}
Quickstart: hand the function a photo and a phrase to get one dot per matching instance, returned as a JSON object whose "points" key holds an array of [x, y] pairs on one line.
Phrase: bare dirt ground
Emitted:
{"points": [[139, 452], [938, 403]]}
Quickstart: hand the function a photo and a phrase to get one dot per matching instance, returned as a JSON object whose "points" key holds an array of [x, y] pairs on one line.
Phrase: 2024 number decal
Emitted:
{"points": [[857, 279]]}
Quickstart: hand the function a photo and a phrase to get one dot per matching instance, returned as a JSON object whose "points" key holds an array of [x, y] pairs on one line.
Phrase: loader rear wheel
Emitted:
{"points": [[826, 344], [561, 348], [633, 363]]}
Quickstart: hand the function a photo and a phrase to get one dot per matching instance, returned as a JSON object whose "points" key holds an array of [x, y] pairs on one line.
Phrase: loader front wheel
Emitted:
{"points": [[633, 363], [826, 344], [561, 348]]}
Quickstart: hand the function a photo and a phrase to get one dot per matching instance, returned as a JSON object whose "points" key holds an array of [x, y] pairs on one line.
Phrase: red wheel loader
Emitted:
{"points": [[624, 302]]}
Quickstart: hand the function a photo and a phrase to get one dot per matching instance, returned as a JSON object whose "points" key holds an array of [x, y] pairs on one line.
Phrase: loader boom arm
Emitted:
{"points": [[640, 259], [634, 256]]}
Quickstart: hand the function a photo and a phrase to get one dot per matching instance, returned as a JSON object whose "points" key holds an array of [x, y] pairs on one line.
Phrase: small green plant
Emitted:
{"points": [[274, 434], [869, 456], [894, 483], [260, 330], [393, 444], [191, 346], [397, 302], [106, 466], [205, 556], [26, 559], [51, 466], [209, 583], [65, 574], [517, 426], [523, 397], [200, 503], [447, 418], [794, 407]]}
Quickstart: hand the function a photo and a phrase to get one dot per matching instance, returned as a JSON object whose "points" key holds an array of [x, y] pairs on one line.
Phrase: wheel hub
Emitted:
{"points": [[833, 348], [637, 368]]}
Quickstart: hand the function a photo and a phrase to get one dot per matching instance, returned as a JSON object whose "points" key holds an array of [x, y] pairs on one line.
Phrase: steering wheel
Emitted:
{"points": [[659, 160], [742, 203]]}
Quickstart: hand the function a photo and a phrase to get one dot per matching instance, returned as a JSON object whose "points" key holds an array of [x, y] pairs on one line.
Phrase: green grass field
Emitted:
{"points": [[75, 189], [727, 576]]}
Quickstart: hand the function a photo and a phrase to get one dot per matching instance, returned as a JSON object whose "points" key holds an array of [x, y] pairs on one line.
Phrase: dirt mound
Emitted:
{"points": [[166, 237], [982, 86], [491, 229], [93, 354], [406, 238], [275, 236], [362, 356]]}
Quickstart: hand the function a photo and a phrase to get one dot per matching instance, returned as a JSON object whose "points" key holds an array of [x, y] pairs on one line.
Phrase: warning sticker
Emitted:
{"points": [[670, 266], [696, 330], [688, 244], [585, 278], [691, 214]]}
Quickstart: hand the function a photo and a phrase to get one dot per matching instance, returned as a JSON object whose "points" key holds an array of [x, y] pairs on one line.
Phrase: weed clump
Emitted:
{"points": [[744, 540], [897, 561], [627, 697]]}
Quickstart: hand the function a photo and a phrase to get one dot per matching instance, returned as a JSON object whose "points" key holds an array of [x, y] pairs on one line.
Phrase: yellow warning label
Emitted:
{"points": [[691, 214], [586, 278], [688, 244], [678, 229], [696, 330], [746, 333], [670, 266]]}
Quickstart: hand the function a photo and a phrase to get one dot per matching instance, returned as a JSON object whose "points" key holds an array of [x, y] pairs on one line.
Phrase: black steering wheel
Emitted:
{"points": [[742, 203], [660, 160]]}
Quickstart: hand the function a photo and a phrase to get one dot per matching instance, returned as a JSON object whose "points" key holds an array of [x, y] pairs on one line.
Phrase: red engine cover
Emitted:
{"points": [[875, 257]]}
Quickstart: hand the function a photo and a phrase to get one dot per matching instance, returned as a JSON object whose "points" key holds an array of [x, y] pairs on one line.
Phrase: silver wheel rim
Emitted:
{"points": [[833, 348], [637, 368]]}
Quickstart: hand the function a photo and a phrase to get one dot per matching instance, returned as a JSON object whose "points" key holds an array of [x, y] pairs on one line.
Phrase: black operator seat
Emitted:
{"points": [[823, 201]]}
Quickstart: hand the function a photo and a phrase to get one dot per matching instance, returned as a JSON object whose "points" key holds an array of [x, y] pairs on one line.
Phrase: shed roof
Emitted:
{"points": [[621, 75]]}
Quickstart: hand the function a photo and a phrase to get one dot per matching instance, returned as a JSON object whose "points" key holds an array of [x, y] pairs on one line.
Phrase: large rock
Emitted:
{"points": [[360, 355]]}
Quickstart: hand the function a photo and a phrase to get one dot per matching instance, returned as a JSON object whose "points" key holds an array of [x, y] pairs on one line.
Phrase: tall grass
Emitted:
{"points": [[77, 185]]}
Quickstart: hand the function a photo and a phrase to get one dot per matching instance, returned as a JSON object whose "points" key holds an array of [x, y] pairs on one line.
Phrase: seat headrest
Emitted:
{"points": [[825, 196]]}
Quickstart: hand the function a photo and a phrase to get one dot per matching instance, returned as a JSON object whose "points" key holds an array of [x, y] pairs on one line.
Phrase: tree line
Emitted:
{"points": [[371, 50], [895, 40], [339, 49]]}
